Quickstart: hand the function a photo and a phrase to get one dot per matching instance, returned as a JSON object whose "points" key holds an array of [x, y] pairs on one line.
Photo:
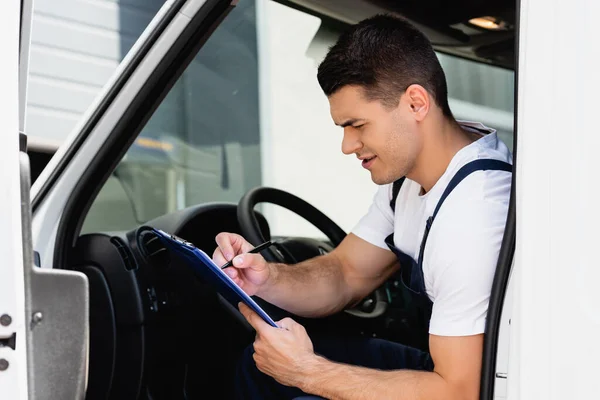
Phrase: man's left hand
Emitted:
{"points": [[285, 353]]}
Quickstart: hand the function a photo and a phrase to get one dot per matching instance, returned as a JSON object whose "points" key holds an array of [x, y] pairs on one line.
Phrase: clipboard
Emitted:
{"points": [[204, 266]]}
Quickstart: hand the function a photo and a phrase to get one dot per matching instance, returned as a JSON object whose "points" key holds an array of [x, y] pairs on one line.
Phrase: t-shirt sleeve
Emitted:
{"points": [[378, 222], [463, 266]]}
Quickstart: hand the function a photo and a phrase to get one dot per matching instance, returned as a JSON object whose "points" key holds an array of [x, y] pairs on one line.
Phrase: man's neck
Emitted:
{"points": [[442, 139]]}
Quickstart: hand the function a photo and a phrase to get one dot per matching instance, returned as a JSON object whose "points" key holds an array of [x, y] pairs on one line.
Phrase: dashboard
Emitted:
{"points": [[151, 318]]}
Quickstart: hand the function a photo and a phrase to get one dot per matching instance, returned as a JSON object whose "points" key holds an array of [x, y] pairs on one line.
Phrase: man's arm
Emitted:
{"points": [[327, 284], [455, 377]]}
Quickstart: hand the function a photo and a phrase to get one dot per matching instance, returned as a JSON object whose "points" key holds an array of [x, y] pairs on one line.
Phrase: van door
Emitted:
{"points": [[37, 308], [56, 304], [13, 350]]}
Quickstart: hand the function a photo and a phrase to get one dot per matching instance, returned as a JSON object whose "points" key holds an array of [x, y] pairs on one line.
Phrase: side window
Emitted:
{"points": [[203, 142], [76, 46], [481, 92]]}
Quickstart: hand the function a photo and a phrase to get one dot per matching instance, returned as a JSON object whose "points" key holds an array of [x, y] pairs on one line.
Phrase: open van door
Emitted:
{"points": [[57, 301], [37, 308], [13, 351]]}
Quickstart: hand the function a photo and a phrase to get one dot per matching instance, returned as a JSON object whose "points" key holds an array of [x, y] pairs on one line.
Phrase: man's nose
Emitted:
{"points": [[351, 142]]}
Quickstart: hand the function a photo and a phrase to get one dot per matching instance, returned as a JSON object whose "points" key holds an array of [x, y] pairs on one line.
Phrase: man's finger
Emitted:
{"points": [[287, 323], [249, 260], [231, 272], [218, 257], [224, 241], [253, 318], [245, 246], [231, 244]]}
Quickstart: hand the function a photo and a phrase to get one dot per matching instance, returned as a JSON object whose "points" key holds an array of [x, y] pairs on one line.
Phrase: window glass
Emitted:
{"points": [[481, 92], [76, 46], [249, 112], [203, 142]]}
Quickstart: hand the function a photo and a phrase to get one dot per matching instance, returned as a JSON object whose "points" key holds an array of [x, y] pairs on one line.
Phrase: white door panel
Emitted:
{"points": [[59, 299], [556, 324], [13, 350]]}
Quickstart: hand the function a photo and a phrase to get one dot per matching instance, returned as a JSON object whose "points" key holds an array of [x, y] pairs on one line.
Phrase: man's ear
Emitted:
{"points": [[418, 101]]}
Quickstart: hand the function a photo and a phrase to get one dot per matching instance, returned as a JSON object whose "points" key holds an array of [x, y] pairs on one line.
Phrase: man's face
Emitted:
{"points": [[384, 139]]}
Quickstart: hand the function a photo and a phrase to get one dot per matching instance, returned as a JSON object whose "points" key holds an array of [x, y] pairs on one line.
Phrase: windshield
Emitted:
{"points": [[248, 111]]}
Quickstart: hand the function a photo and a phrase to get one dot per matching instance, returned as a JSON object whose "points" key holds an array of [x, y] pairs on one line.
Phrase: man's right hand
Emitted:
{"points": [[249, 271]]}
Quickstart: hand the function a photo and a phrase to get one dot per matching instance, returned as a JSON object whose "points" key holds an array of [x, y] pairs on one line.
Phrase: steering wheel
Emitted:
{"points": [[294, 250]]}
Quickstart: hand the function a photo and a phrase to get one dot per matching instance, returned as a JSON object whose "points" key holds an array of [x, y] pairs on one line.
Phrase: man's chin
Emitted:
{"points": [[379, 180]]}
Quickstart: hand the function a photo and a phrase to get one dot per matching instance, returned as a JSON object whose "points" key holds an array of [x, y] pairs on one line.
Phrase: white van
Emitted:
{"points": [[216, 101]]}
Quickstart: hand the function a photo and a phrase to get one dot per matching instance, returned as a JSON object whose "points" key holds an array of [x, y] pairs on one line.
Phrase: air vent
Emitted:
{"points": [[153, 249], [125, 253]]}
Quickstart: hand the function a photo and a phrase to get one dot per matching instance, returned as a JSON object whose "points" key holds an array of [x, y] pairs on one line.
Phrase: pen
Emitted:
{"points": [[257, 249]]}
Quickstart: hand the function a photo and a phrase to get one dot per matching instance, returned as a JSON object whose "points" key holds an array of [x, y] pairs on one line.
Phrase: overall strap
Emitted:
{"points": [[466, 170], [395, 190]]}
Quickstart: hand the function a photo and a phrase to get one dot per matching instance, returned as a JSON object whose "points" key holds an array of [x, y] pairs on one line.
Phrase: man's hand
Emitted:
{"points": [[283, 353], [249, 271], [317, 287], [287, 355]]}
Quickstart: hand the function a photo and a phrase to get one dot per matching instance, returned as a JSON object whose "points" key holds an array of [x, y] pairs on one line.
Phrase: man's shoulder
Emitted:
{"points": [[481, 186], [471, 220], [476, 208]]}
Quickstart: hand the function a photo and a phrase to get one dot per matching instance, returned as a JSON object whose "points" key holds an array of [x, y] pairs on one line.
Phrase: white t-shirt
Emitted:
{"points": [[464, 242]]}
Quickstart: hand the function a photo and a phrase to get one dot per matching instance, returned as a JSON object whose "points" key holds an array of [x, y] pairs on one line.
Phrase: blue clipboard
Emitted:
{"points": [[204, 266]]}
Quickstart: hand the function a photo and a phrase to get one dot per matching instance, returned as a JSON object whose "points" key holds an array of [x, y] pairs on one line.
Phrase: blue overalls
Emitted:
{"points": [[250, 383]]}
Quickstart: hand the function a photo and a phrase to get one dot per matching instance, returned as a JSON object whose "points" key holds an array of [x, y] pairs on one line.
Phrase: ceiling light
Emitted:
{"points": [[489, 23]]}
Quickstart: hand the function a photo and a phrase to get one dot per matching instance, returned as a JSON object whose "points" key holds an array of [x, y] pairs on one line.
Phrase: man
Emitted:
{"points": [[438, 215]]}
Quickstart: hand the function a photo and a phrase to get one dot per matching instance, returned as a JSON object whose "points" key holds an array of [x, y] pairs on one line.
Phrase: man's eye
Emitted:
{"points": [[358, 126]]}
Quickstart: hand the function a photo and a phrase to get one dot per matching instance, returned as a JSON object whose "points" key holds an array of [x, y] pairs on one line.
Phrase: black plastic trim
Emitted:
{"points": [[105, 103], [126, 255], [133, 120], [505, 259], [21, 24], [103, 335], [22, 142]]}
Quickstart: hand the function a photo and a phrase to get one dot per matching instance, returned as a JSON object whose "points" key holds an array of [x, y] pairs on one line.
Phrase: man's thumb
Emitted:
{"points": [[254, 261]]}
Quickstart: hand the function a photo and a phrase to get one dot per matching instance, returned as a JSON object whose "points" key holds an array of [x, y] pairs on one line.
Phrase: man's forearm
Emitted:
{"points": [[312, 288], [341, 381]]}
